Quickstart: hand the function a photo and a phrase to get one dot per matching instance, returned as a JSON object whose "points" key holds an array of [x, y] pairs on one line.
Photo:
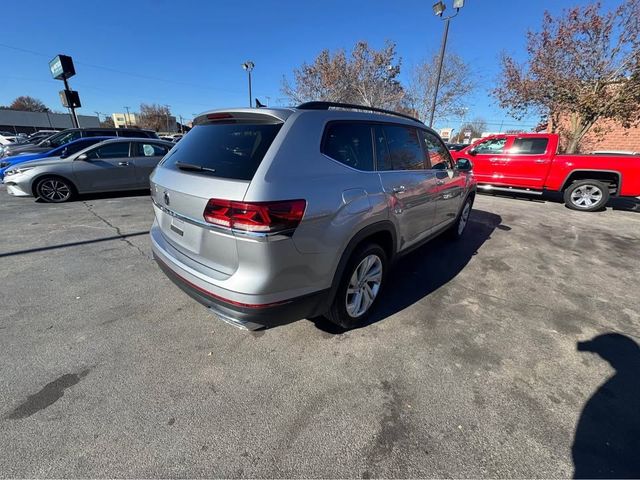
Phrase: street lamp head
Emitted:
{"points": [[439, 8], [248, 65], [458, 4]]}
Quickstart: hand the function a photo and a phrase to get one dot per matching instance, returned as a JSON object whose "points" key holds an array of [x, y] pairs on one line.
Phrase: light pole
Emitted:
{"points": [[438, 10], [248, 66], [168, 111], [127, 118]]}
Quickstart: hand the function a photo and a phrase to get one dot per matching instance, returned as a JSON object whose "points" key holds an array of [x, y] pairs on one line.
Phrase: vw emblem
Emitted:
{"points": [[167, 200]]}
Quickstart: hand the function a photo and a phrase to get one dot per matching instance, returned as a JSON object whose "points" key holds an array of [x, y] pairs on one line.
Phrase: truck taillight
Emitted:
{"points": [[266, 217]]}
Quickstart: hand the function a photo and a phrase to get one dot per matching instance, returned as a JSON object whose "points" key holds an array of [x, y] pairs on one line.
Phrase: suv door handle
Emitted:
{"points": [[123, 164], [398, 189], [542, 160]]}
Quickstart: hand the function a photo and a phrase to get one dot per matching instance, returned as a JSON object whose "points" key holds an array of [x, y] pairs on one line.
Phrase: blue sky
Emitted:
{"points": [[188, 54]]}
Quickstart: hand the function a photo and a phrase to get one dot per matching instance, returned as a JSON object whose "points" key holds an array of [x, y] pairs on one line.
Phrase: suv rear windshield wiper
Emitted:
{"points": [[192, 167]]}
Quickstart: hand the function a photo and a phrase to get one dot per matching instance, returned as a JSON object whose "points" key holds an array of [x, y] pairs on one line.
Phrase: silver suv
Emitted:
{"points": [[270, 215]]}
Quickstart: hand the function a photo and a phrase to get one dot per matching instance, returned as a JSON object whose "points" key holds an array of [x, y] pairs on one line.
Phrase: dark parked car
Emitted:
{"points": [[454, 147], [72, 134]]}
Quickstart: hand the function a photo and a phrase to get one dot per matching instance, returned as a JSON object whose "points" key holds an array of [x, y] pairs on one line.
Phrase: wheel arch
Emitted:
{"points": [[382, 233], [599, 175], [42, 176]]}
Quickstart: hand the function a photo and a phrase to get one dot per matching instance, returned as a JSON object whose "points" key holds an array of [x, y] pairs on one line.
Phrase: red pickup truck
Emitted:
{"points": [[528, 163]]}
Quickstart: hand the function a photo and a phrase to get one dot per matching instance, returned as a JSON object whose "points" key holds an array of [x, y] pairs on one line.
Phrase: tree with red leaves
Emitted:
{"points": [[584, 66]]}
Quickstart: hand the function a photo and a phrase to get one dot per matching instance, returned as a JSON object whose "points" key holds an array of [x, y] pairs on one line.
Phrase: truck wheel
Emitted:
{"points": [[586, 195], [359, 287]]}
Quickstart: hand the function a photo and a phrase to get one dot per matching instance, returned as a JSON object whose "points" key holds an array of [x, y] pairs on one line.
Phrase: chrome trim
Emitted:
{"points": [[241, 234], [235, 322], [509, 189]]}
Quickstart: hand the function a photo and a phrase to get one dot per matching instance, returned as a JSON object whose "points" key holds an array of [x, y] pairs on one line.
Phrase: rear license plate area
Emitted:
{"points": [[177, 226]]}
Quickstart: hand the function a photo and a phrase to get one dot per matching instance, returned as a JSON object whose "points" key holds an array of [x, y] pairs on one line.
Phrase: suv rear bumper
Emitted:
{"points": [[247, 315]]}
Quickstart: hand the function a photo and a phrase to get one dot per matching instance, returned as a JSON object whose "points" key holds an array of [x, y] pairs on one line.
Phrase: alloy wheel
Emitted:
{"points": [[364, 286], [54, 190], [586, 196]]}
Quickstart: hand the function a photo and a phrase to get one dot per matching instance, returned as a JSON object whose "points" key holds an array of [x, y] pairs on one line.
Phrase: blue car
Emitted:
{"points": [[61, 151]]}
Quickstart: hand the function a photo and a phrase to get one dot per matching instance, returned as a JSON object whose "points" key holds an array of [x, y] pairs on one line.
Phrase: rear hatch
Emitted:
{"points": [[216, 160]]}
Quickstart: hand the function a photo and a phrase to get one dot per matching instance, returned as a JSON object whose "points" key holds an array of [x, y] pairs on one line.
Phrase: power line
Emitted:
{"points": [[123, 72]]}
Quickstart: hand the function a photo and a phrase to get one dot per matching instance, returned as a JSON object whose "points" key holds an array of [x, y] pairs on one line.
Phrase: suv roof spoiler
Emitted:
{"points": [[351, 106]]}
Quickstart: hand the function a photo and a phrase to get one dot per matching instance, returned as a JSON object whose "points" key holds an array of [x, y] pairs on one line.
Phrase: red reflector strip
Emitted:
{"points": [[218, 297]]}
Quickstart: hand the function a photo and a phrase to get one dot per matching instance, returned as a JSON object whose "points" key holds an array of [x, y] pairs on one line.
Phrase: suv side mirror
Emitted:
{"points": [[84, 156], [64, 153], [464, 165], [472, 151]]}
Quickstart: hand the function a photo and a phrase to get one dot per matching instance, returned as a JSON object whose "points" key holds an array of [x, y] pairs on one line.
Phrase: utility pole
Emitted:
{"points": [[181, 125], [74, 115], [438, 10], [248, 66], [127, 118]]}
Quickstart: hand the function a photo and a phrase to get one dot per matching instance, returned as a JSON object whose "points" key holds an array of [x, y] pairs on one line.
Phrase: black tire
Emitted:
{"points": [[54, 190], [338, 313], [455, 231], [586, 195]]}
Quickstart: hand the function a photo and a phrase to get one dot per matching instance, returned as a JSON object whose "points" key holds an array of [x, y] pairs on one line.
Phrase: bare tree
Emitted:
{"points": [[583, 66], [476, 127], [456, 85], [107, 123], [366, 77], [28, 104], [154, 116]]}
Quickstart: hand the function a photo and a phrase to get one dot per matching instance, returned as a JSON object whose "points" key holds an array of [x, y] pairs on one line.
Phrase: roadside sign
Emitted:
{"points": [[445, 133], [61, 67], [467, 133]]}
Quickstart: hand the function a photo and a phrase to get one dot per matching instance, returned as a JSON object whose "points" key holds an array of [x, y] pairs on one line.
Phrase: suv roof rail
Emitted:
{"points": [[327, 105]]}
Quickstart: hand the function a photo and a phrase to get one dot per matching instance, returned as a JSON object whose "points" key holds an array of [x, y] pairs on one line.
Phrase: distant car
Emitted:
{"points": [[71, 134], [454, 147], [40, 135], [62, 152], [112, 165], [7, 138]]}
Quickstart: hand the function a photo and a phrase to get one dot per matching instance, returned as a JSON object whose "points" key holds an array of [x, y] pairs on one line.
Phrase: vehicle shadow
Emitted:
{"points": [[607, 438], [106, 195], [426, 269], [627, 204]]}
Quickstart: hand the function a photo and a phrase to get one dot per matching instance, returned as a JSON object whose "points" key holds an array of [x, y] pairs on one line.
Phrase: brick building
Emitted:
{"points": [[607, 135]]}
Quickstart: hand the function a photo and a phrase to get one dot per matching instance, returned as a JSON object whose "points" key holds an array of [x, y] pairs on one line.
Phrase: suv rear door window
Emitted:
{"points": [[529, 146], [231, 150], [405, 150], [349, 143]]}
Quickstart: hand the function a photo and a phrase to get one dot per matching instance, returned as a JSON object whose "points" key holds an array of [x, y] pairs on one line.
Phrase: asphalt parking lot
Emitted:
{"points": [[471, 368]]}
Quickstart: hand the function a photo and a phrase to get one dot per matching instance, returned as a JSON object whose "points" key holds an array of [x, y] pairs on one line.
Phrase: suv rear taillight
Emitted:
{"points": [[264, 217]]}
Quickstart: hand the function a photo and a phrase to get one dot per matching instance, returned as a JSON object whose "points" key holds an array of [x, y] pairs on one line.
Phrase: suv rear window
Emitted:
{"points": [[233, 150]]}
